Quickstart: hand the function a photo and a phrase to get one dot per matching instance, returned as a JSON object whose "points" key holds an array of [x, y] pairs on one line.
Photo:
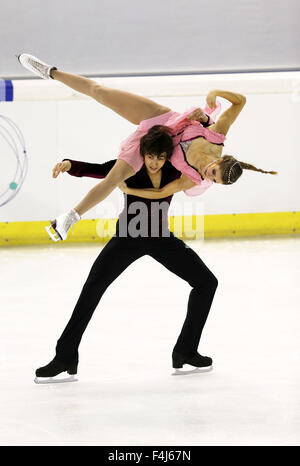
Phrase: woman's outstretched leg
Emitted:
{"points": [[132, 107]]}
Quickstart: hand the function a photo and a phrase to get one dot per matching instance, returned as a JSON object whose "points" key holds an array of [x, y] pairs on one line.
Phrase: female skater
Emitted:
{"points": [[198, 157], [137, 235]]}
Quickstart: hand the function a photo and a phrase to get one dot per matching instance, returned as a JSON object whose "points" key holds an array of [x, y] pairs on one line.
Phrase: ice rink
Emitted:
{"points": [[126, 394]]}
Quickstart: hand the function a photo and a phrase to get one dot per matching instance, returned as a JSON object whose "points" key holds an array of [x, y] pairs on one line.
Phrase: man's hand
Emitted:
{"points": [[198, 115], [61, 167]]}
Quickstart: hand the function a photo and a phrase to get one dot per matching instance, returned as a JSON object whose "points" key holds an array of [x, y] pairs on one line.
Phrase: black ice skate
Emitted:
{"points": [[201, 363], [49, 373]]}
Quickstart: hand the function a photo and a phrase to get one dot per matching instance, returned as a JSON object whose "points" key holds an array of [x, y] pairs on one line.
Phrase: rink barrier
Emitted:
{"points": [[184, 227], [286, 82]]}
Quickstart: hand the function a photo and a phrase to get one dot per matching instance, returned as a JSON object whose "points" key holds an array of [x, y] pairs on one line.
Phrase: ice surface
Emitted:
{"points": [[126, 394]]}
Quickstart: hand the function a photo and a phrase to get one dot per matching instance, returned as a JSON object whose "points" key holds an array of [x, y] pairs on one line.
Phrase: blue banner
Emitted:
{"points": [[6, 90]]}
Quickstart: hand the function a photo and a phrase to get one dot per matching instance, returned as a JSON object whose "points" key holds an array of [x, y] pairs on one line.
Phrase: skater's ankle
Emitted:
{"points": [[79, 211], [54, 73]]}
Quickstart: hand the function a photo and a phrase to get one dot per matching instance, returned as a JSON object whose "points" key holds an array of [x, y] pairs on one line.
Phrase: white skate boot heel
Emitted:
{"points": [[62, 224], [36, 66]]}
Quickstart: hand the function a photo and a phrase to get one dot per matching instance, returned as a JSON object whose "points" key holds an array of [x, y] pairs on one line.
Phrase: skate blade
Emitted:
{"points": [[196, 370], [55, 236], [49, 380]]}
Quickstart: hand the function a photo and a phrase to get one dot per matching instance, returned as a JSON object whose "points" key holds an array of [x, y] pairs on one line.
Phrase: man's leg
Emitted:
{"points": [[186, 264], [114, 258]]}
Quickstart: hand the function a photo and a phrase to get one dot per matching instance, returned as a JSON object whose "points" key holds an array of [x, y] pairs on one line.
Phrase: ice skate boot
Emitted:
{"points": [[201, 363], [62, 224], [36, 66], [49, 373]]}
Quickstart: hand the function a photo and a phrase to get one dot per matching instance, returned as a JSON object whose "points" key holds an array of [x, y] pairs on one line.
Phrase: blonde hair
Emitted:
{"points": [[231, 169]]}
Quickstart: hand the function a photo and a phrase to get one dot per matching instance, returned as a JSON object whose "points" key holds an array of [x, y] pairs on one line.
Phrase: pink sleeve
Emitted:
{"points": [[172, 119], [177, 121], [199, 189], [145, 125]]}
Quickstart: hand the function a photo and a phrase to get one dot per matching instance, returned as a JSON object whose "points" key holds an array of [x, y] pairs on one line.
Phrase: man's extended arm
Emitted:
{"points": [[93, 170]]}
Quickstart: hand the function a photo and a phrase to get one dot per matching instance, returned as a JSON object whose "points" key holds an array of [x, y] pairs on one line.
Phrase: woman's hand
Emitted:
{"points": [[123, 187], [61, 167], [198, 115], [211, 99]]}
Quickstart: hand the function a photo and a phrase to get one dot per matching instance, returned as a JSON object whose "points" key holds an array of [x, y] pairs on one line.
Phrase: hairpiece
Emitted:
{"points": [[228, 181]]}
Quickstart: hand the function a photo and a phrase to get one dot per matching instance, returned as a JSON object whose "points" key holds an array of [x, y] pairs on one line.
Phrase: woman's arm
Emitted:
{"points": [[175, 186], [232, 97], [229, 116]]}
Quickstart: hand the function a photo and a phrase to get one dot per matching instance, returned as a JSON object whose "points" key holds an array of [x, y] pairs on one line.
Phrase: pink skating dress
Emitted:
{"points": [[183, 130]]}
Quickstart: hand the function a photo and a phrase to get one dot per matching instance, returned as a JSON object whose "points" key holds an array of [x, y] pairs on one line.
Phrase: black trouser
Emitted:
{"points": [[114, 258]]}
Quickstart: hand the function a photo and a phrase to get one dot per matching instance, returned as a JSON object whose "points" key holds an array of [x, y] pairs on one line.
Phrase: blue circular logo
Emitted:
{"points": [[13, 158]]}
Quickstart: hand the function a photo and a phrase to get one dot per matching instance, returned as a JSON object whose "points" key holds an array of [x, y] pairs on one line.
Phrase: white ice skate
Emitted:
{"points": [[36, 66], [62, 224]]}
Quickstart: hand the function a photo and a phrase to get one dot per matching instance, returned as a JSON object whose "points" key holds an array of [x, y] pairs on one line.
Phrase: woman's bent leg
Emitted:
{"points": [[114, 258], [132, 107], [119, 172], [186, 264]]}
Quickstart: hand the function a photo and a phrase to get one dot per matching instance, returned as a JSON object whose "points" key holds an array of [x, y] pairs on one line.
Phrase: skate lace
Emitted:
{"points": [[37, 65], [70, 221]]}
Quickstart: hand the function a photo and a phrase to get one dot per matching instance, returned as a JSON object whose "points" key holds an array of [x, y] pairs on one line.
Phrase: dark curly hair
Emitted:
{"points": [[156, 141]]}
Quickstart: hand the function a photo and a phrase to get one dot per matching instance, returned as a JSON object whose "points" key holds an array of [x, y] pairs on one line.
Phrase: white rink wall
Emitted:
{"points": [[59, 123]]}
